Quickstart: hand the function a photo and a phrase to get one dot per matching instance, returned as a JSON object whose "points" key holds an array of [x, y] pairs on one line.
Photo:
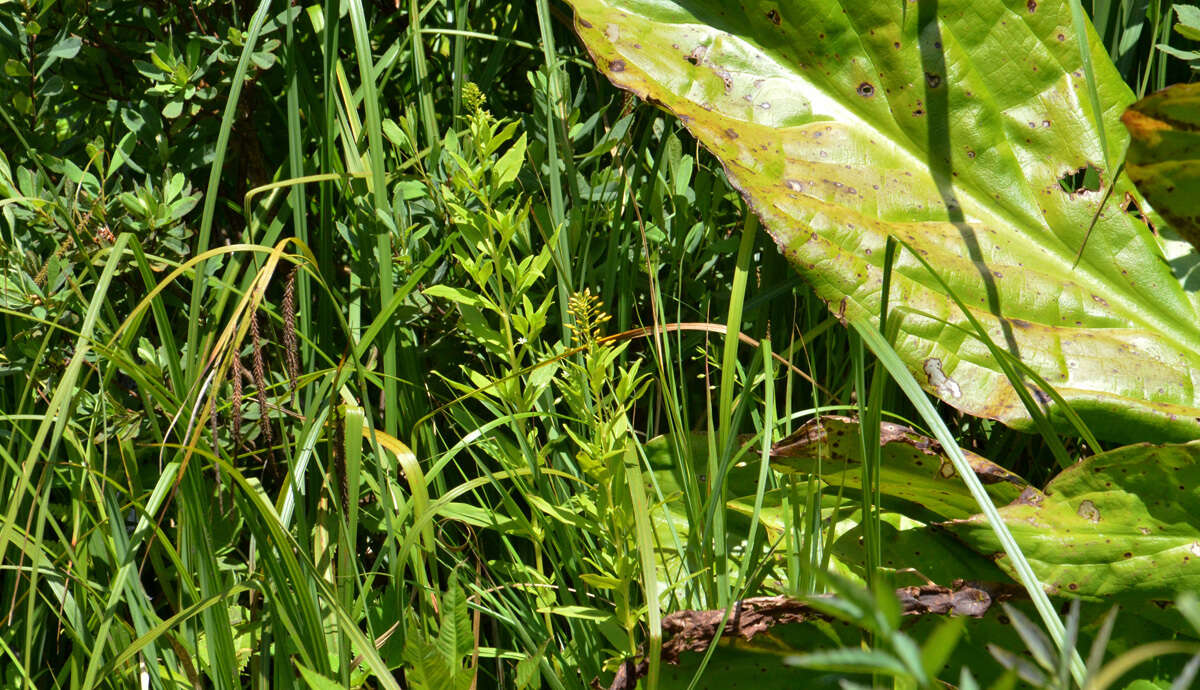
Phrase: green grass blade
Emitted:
{"points": [[211, 193], [726, 431], [382, 205], [1080, 22], [644, 538]]}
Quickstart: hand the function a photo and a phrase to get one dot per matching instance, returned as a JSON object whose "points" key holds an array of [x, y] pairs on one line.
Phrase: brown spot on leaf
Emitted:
{"points": [[1088, 511], [1030, 497], [616, 66], [773, 15], [1031, 6]]}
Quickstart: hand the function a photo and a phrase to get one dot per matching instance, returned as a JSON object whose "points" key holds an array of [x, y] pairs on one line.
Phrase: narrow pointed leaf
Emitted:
{"points": [[1035, 640], [963, 128], [848, 660]]}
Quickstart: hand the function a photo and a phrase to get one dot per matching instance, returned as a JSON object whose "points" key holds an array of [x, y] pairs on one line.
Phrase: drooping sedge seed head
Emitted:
{"points": [[260, 378], [235, 416], [291, 355]]}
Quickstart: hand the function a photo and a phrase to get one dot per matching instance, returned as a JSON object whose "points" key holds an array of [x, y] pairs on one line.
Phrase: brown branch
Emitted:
{"points": [[693, 631]]}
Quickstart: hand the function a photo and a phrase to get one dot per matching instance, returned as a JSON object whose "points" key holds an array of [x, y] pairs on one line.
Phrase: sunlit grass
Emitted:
{"points": [[415, 466]]}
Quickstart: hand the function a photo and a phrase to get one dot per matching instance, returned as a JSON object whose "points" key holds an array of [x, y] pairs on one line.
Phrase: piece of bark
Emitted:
{"points": [[693, 631]]}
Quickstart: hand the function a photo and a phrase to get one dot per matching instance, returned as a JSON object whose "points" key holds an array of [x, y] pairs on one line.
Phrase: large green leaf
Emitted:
{"points": [[912, 467], [949, 126], [917, 553], [1125, 522]]}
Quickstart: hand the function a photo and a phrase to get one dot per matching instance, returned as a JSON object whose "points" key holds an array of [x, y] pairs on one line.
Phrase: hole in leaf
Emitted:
{"points": [[1085, 179], [773, 15], [866, 90], [1129, 205]]}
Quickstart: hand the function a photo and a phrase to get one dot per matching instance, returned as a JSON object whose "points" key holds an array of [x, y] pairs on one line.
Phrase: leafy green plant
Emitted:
{"points": [[444, 660], [156, 215], [601, 393], [1187, 25], [495, 246], [33, 50], [178, 78]]}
